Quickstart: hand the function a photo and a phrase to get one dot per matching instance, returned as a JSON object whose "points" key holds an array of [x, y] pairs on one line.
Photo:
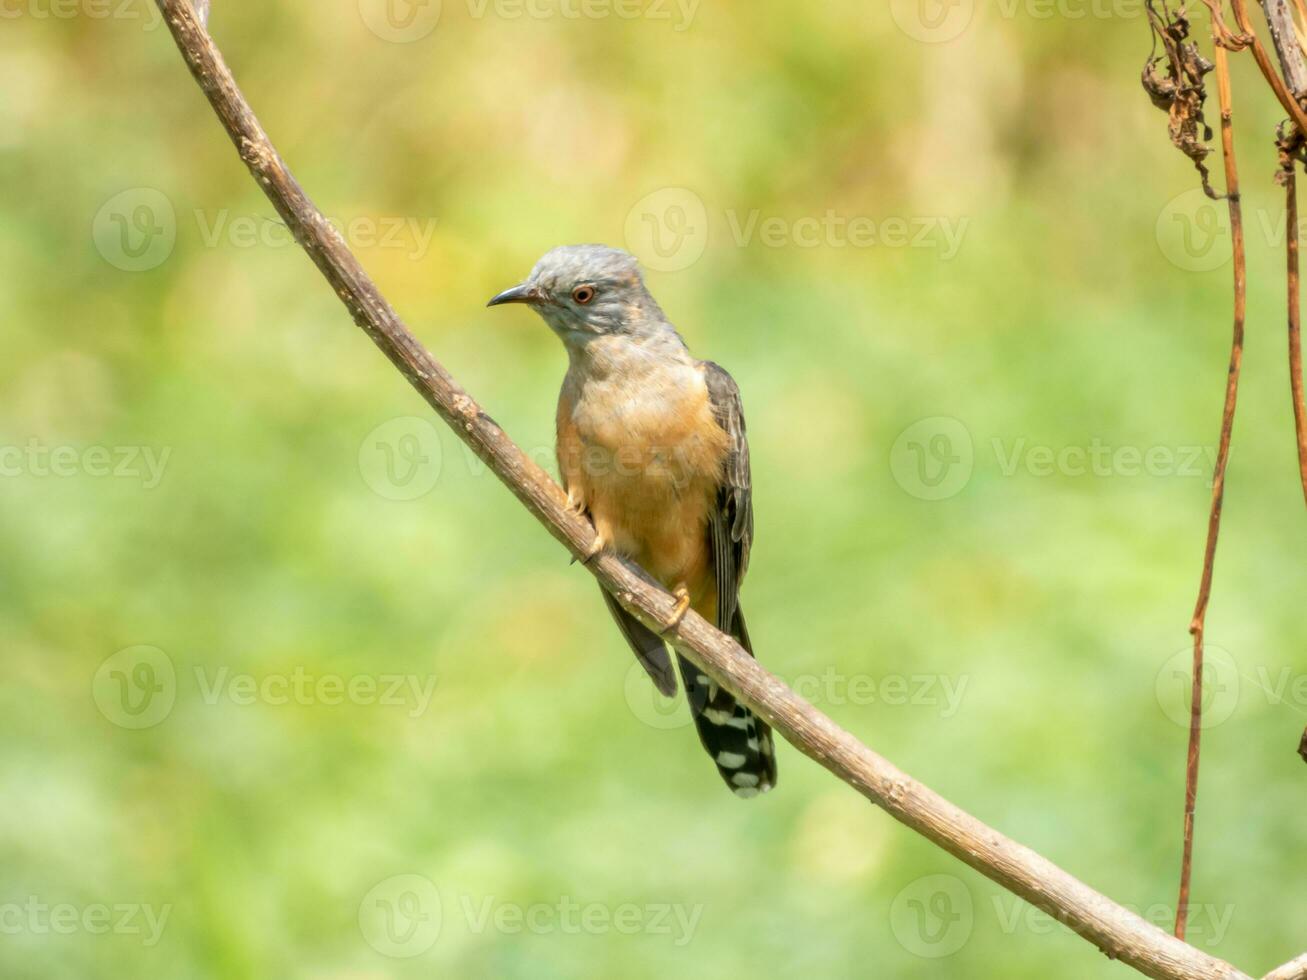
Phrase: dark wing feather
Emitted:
{"points": [[730, 524], [647, 646], [739, 742]]}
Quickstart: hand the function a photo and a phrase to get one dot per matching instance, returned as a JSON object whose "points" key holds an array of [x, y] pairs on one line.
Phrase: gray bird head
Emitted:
{"points": [[588, 291]]}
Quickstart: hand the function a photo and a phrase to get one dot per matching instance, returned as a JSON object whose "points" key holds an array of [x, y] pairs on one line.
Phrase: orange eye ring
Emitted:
{"points": [[583, 295]]}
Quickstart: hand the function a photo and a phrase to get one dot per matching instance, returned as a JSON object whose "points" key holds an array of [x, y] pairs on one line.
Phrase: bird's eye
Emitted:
{"points": [[583, 294]]}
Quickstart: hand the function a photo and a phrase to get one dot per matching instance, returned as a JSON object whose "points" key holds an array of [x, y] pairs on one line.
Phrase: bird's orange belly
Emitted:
{"points": [[648, 483], [659, 521]]}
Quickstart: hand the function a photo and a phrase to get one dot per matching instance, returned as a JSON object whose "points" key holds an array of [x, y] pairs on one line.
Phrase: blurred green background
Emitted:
{"points": [[981, 463]]}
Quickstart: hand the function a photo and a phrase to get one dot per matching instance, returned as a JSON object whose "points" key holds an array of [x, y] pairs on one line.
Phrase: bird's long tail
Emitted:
{"points": [[739, 742]]}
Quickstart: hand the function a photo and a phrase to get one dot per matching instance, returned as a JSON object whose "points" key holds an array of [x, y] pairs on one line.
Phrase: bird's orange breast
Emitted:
{"points": [[645, 458]]}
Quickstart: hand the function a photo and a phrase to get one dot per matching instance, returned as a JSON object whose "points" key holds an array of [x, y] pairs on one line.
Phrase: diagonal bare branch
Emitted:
{"points": [[1295, 969], [1115, 930]]}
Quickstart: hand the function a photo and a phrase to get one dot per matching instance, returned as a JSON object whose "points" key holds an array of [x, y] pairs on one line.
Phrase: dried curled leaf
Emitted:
{"points": [[1174, 83]]}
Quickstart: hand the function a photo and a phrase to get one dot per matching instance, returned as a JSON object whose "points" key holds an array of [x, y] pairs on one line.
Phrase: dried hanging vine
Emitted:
{"points": [[1174, 80]]}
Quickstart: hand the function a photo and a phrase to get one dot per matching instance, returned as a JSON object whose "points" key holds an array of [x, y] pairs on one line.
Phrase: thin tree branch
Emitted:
{"points": [[1198, 623], [1116, 931], [1263, 60], [1279, 17], [1288, 178], [1291, 146], [1293, 970], [1300, 12]]}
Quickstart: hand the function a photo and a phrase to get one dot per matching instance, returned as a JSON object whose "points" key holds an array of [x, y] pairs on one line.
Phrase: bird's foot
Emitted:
{"points": [[596, 548], [682, 607]]}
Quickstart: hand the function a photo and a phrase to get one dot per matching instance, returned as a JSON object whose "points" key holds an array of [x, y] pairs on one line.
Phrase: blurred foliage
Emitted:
{"points": [[541, 773]]}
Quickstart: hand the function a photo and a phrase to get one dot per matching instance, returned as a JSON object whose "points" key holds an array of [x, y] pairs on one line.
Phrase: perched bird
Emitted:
{"points": [[652, 448]]}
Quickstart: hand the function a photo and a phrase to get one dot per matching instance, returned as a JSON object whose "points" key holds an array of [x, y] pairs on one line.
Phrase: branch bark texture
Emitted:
{"points": [[1279, 17]]}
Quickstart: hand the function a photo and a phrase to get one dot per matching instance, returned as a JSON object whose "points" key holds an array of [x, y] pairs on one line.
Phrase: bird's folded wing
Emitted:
{"points": [[730, 522]]}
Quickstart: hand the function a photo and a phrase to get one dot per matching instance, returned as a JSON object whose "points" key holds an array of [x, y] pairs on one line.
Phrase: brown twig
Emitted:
{"points": [[1287, 101], [1197, 624], [1279, 18], [1115, 930], [1290, 147], [1300, 9], [1295, 969], [1288, 167]]}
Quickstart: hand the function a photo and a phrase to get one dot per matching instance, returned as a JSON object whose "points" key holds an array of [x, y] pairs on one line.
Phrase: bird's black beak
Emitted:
{"points": [[525, 293]]}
